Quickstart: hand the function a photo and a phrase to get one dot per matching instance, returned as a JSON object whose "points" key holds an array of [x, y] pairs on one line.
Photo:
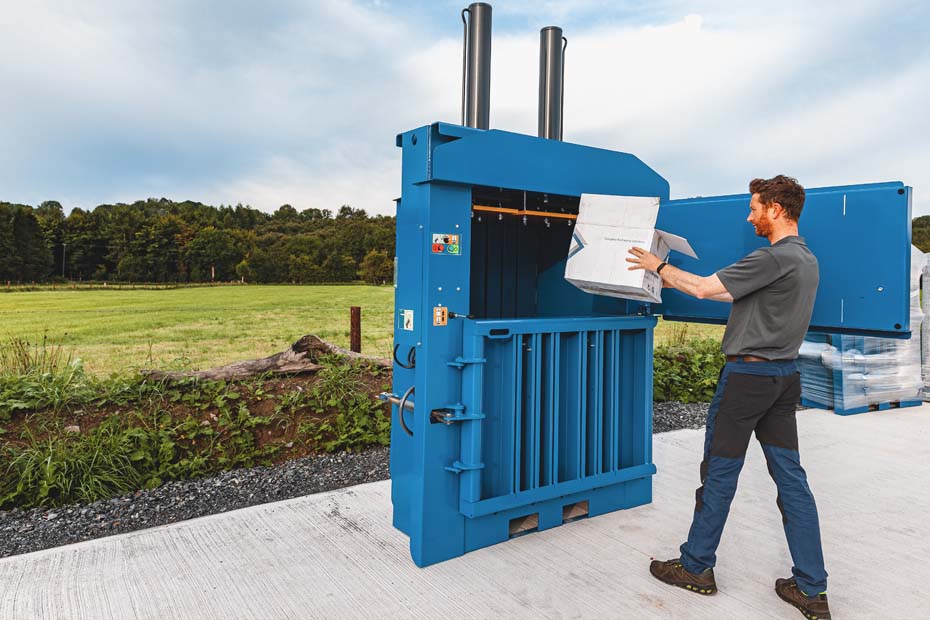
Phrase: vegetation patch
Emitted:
{"points": [[685, 368], [66, 436]]}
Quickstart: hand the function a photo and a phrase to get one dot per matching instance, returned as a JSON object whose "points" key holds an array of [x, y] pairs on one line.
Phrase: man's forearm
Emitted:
{"points": [[680, 279], [691, 284]]}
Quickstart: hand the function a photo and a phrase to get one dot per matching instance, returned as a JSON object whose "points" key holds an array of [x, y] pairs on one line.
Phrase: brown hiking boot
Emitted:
{"points": [[673, 573], [813, 607]]}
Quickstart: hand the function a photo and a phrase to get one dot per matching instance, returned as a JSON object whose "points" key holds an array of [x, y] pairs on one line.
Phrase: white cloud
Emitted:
{"points": [[323, 185], [711, 105], [299, 102]]}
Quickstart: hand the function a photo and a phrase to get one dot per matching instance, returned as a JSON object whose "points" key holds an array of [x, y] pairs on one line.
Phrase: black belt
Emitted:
{"points": [[752, 358]]}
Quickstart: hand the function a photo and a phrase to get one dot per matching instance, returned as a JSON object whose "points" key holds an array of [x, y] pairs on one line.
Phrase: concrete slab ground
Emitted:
{"points": [[335, 555]]}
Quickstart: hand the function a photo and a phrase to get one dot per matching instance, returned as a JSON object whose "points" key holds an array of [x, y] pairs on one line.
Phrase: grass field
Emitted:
{"points": [[123, 330], [115, 330]]}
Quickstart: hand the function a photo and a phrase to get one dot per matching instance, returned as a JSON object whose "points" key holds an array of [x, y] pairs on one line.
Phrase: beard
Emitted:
{"points": [[763, 227]]}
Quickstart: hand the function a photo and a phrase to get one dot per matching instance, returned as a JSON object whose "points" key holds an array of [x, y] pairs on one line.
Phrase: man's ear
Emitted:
{"points": [[779, 210]]}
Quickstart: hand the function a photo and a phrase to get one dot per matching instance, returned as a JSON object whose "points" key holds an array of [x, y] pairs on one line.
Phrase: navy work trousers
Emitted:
{"points": [[760, 397]]}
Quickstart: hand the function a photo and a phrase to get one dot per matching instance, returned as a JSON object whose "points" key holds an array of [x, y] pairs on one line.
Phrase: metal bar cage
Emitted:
{"points": [[561, 406]]}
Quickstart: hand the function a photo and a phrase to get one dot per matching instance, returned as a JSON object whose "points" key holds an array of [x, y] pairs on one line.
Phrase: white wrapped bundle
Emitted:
{"points": [[816, 379], [925, 327], [856, 372]]}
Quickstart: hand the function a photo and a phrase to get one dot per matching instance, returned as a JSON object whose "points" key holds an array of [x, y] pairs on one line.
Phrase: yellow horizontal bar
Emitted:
{"points": [[565, 216]]}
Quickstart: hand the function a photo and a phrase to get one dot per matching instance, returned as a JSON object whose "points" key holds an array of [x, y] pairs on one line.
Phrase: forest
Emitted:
{"points": [[159, 240]]}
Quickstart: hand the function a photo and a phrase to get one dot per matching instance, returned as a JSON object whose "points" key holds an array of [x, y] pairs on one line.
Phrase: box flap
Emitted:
{"points": [[679, 244], [624, 211]]}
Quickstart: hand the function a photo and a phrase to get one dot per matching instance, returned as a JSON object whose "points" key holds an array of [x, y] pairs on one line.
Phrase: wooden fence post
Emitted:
{"points": [[355, 329]]}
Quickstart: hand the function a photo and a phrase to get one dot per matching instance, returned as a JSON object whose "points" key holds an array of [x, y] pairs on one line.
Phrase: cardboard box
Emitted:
{"points": [[606, 229]]}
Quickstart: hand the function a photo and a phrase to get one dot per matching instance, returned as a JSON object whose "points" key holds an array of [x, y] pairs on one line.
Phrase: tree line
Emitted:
{"points": [[920, 232], [159, 240]]}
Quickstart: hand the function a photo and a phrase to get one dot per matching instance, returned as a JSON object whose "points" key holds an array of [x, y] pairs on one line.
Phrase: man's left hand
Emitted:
{"points": [[643, 260]]}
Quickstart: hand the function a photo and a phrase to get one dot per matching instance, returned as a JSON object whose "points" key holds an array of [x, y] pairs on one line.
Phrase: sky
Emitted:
{"points": [[298, 102]]}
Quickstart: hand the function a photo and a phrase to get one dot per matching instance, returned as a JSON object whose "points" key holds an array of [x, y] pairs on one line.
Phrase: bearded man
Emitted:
{"points": [[772, 291]]}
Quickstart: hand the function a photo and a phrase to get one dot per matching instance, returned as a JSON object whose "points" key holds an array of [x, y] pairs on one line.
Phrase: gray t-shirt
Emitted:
{"points": [[773, 293]]}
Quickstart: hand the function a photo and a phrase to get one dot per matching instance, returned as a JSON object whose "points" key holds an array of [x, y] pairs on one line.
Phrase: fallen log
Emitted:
{"points": [[301, 357]]}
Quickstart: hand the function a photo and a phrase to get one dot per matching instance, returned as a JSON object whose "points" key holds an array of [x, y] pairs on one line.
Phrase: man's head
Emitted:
{"points": [[775, 203]]}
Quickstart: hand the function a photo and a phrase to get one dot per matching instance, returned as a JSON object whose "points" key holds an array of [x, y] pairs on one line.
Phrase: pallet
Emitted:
{"points": [[895, 404]]}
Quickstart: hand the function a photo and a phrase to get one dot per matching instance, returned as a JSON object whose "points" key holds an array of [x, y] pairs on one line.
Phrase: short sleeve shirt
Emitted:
{"points": [[773, 291]]}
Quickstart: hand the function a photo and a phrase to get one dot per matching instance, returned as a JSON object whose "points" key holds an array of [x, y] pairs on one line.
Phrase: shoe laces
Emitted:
{"points": [[793, 583]]}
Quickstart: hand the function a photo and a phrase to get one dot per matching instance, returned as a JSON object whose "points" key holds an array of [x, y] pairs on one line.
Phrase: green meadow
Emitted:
{"points": [[114, 330], [196, 328]]}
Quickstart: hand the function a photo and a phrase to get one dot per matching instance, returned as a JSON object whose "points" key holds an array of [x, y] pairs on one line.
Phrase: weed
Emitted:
{"points": [[50, 390], [293, 401], [677, 334], [338, 382], [19, 356], [85, 468], [359, 421], [363, 424]]}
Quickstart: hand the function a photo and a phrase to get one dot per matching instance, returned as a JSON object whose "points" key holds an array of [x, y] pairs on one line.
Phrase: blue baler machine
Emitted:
{"points": [[521, 402]]}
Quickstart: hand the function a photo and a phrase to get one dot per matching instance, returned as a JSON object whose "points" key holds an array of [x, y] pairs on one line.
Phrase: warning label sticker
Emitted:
{"points": [[444, 243], [406, 317], [440, 316]]}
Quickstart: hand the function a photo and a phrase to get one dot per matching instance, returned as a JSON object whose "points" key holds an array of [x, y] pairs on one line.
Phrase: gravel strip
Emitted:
{"points": [[674, 416], [23, 531]]}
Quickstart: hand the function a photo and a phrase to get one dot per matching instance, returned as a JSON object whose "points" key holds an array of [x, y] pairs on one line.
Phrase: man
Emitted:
{"points": [[772, 291]]}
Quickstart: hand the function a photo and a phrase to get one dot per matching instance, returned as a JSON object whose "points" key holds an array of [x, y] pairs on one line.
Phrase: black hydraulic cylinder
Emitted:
{"points": [[551, 82], [476, 69]]}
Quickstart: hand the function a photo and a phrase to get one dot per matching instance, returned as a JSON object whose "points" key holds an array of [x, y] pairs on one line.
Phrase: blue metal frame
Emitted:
{"points": [[860, 292], [432, 470], [544, 399]]}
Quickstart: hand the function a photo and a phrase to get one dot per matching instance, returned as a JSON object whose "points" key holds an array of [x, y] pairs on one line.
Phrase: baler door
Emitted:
{"points": [[555, 413], [860, 234]]}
